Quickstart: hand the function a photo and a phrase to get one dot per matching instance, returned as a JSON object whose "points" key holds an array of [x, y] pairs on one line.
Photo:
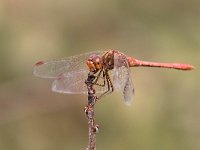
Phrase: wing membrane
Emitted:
{"points": [[69, 74], [53, 69], [122, 77], [66, 83]]}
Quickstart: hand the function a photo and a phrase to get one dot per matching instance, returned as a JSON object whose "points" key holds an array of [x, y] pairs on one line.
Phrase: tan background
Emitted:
{"points": [[165, 113]]}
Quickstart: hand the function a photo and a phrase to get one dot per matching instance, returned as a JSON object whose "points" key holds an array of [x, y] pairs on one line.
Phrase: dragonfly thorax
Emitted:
{"points": [[108, 59]]}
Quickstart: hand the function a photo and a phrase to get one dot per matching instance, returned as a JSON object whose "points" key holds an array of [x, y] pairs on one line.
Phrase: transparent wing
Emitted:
{"points": [[66, 83], [71, 82], [69, 73], [53, 69], [122, 77]]}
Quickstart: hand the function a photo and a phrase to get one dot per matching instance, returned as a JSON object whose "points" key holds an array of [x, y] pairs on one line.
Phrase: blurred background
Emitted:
{"points": [[165, 113]]}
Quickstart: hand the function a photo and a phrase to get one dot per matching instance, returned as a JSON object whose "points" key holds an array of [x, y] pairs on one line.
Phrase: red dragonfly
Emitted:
{"points": [[111, 69]]}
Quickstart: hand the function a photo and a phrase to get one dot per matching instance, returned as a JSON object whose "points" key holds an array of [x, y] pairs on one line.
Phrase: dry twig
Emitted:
{"points": [[89, 110]]}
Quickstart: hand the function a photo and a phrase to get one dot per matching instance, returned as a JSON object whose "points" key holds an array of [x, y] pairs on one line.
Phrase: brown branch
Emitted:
{"points": [[89, 110]]}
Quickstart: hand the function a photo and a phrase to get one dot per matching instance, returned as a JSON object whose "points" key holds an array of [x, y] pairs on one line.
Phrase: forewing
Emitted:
{"points": [[122, 77], [55, 68]]}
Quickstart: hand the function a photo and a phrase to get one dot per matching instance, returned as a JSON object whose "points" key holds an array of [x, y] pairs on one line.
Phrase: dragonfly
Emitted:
{"points": [[111, 69]]}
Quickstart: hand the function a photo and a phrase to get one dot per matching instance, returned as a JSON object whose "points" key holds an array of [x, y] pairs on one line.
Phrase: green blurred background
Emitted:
{"points": [[165, 114]]}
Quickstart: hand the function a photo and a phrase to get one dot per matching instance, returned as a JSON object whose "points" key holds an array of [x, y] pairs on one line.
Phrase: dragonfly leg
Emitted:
{"points": [[109, 85], [97, 78]]}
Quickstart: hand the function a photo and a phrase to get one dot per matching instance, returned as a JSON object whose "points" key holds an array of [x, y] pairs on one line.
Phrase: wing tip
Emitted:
{"points": [[39, 63]]}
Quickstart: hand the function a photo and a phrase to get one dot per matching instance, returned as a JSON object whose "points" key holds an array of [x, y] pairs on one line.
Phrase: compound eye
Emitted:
{"points": [[91, 65]]}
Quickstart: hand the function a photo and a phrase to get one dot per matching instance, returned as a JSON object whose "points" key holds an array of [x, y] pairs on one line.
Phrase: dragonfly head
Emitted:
{"points": [[94, 63]]}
